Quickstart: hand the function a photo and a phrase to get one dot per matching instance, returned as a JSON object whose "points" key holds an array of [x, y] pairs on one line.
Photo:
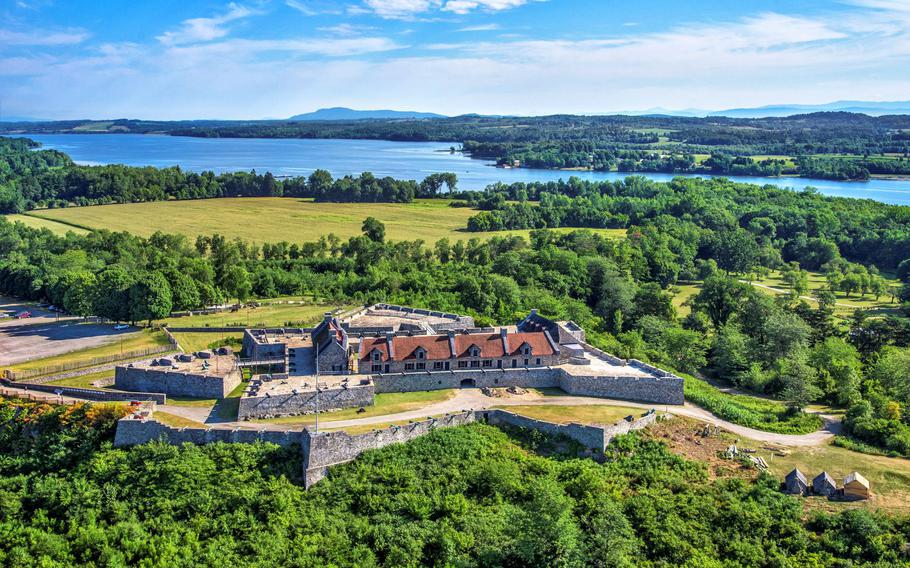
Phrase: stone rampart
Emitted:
{"points": [[531, 377], [591, 437], [291, 404], [660, 390], [132, 431], [175, 383], [92, 394], [325, 449]]}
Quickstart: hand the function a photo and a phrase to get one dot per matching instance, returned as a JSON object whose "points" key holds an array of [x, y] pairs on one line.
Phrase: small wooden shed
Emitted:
{"points": [[856, 486], [824, 484], [795, 483]]}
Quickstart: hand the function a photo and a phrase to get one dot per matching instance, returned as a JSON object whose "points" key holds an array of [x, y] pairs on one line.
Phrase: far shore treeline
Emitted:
{"points": [[31, 179]]}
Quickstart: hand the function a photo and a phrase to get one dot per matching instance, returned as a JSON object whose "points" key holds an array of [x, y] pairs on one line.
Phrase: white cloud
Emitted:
{"points": [[205, 29], [407, 9], [302, 8], [480, 28], [345, 29], [42, 37]]}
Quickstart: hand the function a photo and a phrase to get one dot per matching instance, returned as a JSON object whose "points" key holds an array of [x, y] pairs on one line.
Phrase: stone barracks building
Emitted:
{"points": [[502, 350], [344, 361]]}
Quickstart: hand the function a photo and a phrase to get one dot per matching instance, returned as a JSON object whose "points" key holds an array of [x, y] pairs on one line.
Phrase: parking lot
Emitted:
{"points": [[43, 335]]}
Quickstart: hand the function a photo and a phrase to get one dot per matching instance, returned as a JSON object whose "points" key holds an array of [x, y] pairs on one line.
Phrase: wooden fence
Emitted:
{"points": [[93, 362]]}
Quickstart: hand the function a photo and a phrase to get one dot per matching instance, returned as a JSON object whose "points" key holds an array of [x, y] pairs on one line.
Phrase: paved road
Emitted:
{"points": [[474, 399]]}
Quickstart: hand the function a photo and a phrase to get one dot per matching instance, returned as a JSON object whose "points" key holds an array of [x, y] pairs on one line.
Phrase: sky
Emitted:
{"points": [[253, 59]]}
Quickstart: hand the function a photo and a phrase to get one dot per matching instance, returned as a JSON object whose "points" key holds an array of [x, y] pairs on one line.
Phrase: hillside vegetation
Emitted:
{"points": [[470, 496]]}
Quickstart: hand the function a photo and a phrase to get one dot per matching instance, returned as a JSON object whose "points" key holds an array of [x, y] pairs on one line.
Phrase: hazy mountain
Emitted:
{"points": [[872, 108], [342, 113]]}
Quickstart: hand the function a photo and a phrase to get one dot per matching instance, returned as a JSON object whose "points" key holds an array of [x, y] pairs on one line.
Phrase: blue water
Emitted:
{"points": [[403, 160]]}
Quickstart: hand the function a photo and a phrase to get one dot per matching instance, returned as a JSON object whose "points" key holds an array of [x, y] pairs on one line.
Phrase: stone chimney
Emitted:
{"points": [[534, 311], [327, 317], [390, 344], [503, 334]]}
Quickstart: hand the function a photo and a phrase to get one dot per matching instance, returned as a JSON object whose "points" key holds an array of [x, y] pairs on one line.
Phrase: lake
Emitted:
{"points": [[403, 160]]}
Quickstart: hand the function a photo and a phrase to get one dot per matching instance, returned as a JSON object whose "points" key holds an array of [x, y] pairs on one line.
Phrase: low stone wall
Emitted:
{"points": [[591, 437], [532, 377], [132, 431], [291, 404], [325, 449], [91, 394], [624, 427], [660, 390], [175, 383]]}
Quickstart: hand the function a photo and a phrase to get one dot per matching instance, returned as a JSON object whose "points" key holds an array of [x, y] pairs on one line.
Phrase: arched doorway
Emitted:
{"points": [[468, 384]]}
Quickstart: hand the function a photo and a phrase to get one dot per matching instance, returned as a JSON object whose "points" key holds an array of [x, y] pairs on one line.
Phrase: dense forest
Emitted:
{"points": [[834, 145], [468, 496], [32, 179]]}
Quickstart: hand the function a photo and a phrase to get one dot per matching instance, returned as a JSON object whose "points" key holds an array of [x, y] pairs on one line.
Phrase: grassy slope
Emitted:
{"points": [[588, 414], [200, 341], [273, 219], [754, 412], [39, 223], [268, 315]]}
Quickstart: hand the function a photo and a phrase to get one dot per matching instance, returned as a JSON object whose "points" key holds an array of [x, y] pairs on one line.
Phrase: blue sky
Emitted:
{"points": [[188, 59]]}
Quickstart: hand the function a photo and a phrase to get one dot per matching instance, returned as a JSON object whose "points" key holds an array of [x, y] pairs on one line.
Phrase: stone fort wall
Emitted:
{"points": [[666, 389], [175, 383], [291, 404]]}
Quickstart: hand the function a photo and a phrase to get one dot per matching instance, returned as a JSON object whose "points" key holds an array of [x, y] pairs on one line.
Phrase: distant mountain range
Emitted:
{"points": [[871, 108], [343, 113]]}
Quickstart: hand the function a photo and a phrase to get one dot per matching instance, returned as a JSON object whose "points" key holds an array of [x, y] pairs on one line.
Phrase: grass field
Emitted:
{"points": [[271, 315], [273, 219], [587, 414], [200, 341], [83, 381], [141, 340], [39, 223], [384, 403]]}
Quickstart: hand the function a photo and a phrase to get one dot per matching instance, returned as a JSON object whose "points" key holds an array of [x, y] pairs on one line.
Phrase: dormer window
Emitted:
{"points": [[474, 351], [420, 353], [526, 350], [377, 355]]}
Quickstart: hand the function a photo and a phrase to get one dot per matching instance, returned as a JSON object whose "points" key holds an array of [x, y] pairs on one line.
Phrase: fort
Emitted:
{"points": [[345, 361], [322, 450]]}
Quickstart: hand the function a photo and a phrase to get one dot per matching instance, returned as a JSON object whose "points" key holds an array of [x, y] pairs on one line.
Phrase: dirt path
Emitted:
{"points": [[474, 399], [807, 298]]}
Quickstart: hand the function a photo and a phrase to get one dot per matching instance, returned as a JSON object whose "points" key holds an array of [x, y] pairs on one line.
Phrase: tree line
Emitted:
{"points": [[31, 179]]}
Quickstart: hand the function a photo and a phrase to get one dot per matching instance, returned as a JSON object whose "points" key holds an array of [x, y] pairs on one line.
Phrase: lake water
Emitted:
{"points": [[403, 160]]}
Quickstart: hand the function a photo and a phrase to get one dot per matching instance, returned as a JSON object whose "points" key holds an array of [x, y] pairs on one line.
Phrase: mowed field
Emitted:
{"points": [[271, 219]]}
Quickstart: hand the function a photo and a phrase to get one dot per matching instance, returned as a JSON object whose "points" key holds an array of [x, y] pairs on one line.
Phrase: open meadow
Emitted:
{"points": [[270, 219]]}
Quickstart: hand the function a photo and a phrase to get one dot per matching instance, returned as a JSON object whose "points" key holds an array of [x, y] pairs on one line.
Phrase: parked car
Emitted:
{"points": [[23, 315], [120, 326]]}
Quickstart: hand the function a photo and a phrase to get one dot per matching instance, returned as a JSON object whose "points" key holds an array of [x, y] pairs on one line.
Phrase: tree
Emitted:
{"points": [[720, 297], [112, 294], [730, 352], [735, 251], [236, 282], [150, 298], [686, 349], [374, 229], [838, 366], [798, 380], [79, 297]]}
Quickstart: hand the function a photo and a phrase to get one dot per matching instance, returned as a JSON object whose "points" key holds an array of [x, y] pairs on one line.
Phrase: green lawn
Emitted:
{"points": [[140, 340], [175, 421], [200, 341], [83, 381], [384, 403], [272, 315], [273, 219], [587, 414]]}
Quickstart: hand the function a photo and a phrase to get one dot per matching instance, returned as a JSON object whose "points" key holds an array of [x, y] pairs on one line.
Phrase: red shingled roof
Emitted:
{"points": [[437, 346]]}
